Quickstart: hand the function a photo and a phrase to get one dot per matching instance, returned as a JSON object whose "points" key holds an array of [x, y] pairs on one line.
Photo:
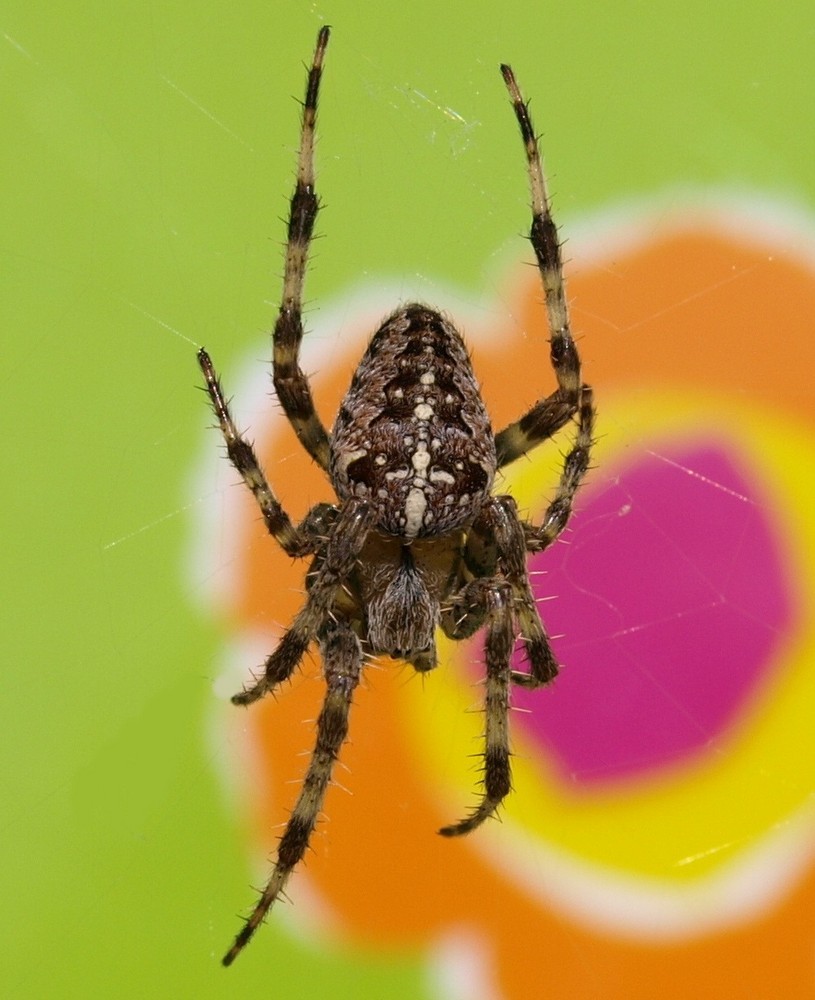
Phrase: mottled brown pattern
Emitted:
{"points": [[417, 542], [413, 420]]}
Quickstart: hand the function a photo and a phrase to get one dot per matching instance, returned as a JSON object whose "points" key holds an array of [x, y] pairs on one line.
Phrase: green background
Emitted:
{"points": [[147, 153]]}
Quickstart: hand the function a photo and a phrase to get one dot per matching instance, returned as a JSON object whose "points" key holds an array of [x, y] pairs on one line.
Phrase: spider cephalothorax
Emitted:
{"points": [[418, 541]]}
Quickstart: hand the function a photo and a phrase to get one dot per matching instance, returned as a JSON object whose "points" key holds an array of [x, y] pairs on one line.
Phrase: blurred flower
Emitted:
{"points": [[660, 837]]}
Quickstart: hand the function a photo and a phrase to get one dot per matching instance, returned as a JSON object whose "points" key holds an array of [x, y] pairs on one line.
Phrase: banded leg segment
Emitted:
{"points": [[342, 658], [575, 466], [497, 774], [336, 562], [500, 526], [290, 382], [509, 533], [242, 455], [548, 415], [500, 602]]}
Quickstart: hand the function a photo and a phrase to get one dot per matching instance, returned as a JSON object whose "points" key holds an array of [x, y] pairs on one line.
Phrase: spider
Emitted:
{"points": [[417, 540]]}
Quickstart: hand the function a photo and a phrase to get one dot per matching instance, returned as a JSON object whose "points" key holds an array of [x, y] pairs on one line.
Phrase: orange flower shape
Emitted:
{"points": [[660, 837]]}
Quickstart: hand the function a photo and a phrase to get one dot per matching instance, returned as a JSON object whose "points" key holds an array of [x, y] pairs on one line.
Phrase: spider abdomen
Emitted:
{"points": [[412, 434]]}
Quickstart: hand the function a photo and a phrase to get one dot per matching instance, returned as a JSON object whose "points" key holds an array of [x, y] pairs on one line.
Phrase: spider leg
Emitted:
{"points": [[498, 649], [290, 382], [294, 541], [548, 415], [335, 563], [499, 600], [499, 538], [575, 465], [342, 659]]}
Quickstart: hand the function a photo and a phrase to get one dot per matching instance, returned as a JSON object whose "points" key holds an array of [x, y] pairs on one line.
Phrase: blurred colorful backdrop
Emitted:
{"points": [[660, 839]]}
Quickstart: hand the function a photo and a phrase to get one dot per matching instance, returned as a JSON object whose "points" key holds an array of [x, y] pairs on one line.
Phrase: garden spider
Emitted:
{"points": [[417, 541]]}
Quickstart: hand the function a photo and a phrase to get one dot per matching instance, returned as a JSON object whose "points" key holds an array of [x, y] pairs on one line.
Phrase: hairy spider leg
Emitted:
{"points": [[548, 415], [575, 466], [342, 663], [290, 382], [499, 600], [498, 650], [294, 541], [501, 517], [336, 562]]}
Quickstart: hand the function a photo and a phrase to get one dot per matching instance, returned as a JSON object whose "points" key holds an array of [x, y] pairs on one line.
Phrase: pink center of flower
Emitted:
{"points": [[672, 602]]}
